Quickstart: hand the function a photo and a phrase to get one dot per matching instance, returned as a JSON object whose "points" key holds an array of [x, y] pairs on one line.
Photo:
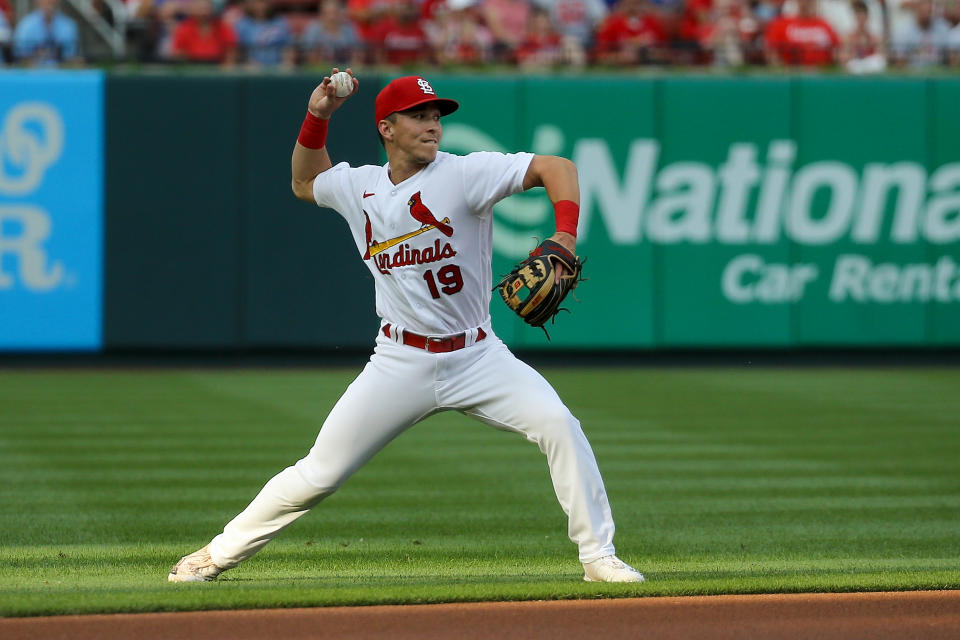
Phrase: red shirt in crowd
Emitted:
{"points": [[695, 20], [204, 43], [806, 41], [547, 48], [428, 9], [401, 43], [619, 29], [368, 10]]}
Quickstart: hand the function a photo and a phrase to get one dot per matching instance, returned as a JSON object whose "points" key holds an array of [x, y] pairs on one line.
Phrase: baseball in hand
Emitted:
{"points": [[343, 83]]}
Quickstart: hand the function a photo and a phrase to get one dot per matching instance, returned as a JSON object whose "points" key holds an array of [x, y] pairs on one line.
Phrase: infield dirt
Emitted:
{"points": [[929, 615]]}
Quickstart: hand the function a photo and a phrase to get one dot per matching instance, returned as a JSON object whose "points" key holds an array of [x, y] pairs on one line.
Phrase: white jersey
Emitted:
{"points": [[428, 240]]}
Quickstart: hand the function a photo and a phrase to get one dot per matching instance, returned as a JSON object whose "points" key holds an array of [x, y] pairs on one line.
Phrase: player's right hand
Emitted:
{"points": [[324, 100]]}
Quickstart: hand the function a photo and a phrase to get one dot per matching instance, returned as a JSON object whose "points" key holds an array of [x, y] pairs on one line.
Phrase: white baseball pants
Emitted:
{"points": [[402, 385]]}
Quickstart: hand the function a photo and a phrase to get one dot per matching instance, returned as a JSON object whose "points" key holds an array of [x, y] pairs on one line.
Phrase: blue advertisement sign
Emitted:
{"points": [[51, 210]]}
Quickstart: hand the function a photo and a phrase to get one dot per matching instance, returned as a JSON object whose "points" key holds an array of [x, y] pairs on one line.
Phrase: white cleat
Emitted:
{"points": [[610, 569], [196, 567]]}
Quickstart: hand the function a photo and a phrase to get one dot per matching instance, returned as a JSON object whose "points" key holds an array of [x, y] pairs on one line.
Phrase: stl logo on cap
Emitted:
{"points": [[406, 93]]}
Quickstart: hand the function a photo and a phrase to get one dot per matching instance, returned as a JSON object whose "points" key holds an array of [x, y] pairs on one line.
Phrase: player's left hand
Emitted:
{"points": [[569, 242], [532, 288], [324, 100]]}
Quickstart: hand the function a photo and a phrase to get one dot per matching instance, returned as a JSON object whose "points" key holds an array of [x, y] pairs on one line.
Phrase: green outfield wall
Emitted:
{"points": [[716, 211], [731, 212], [206, 245]]}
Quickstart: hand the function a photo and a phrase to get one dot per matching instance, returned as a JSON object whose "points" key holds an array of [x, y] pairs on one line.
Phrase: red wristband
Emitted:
{"points": [[313, 132], [567, 213]]}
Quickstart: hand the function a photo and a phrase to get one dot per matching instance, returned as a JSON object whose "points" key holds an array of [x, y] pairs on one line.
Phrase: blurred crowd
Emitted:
{"points": [[860, 36]]}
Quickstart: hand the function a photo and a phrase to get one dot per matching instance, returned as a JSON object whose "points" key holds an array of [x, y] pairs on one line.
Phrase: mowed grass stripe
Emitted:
{"points": [[721, 481]]}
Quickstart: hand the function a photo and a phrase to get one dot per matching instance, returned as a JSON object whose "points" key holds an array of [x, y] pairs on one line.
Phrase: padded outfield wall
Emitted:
{"points": [[155, 211]]}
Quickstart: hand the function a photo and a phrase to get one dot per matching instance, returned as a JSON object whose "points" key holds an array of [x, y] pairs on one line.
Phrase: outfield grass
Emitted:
{"points": [[721, 481]]}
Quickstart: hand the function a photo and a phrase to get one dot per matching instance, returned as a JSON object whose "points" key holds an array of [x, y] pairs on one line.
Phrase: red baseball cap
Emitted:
{"points": [[409, 92]]}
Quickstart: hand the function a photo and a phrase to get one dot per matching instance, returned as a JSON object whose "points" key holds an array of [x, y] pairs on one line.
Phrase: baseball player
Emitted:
{"points": [[423, 224]]}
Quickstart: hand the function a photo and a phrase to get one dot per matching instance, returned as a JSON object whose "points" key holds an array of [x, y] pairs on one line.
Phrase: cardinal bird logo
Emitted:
{"points": [[424, 216], [368, 231], [420, 213]]}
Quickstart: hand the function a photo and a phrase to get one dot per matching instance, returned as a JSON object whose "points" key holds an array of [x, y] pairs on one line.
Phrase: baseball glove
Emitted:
{"points": [[531, 289]]}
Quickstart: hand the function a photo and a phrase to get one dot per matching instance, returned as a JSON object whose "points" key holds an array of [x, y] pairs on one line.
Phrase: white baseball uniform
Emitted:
{"points": [[428, 243]]}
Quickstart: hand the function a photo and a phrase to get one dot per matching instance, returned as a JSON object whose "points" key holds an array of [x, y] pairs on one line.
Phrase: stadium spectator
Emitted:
{"points": [[667, 8], [695, 25], [765, 11], [231, 11], [804, 39], [365, 15], [168, 14], [841, 15], [863, 50], [507, 21], [398, 39], [458, 35], [6, 33], [46, 37], [577, 21], [542, 46], [7, 17], [430, 8], [332, 39], [898, 14], [921, 42], [633, 34], [725, 34], [752, 29], [951, 14], [264, 38], [143, 30], [204, 37]]}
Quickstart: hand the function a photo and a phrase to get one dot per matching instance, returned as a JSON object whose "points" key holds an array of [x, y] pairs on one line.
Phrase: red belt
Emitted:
{"points": [[435, 344]]}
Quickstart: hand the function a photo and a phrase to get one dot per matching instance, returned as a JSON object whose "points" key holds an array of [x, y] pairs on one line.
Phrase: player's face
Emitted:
{"points": [[417, 132]]}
